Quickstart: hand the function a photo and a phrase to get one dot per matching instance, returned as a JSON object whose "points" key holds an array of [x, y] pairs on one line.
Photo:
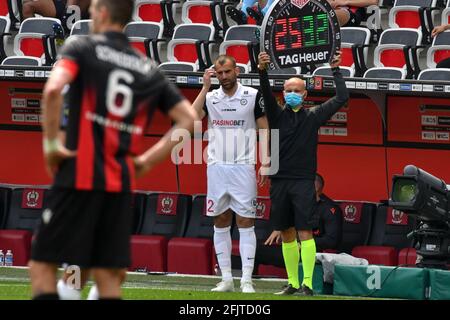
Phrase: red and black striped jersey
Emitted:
{"points": [[110, 103]]}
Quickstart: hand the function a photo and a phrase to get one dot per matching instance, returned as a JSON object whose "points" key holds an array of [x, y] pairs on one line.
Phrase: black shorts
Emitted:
{"points": [[85, 228], [292, 204]]}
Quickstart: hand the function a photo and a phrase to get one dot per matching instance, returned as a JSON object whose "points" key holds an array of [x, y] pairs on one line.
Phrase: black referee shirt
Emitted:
{"points": [[298, 131]]}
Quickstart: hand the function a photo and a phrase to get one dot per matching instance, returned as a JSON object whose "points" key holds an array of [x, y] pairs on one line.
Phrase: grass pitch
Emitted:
{"points": [[15, 285]]}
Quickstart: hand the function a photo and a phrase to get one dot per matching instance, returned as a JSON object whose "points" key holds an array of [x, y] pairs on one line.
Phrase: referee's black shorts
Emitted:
{"points": [[293, 203], [90, 229]]}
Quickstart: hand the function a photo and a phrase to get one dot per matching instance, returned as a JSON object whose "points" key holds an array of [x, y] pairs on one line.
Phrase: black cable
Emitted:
{"points": [[382, 283]]}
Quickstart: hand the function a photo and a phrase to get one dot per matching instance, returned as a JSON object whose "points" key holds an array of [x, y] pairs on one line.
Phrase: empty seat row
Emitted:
{"points": [[190, 48], [171, 229]]}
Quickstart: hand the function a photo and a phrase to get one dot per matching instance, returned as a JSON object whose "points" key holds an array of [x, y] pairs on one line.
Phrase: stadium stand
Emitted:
{"points": [[165, 216], [22, 61], [144, 37], [80, 28], [194, 29], [26, 208], [4, 33], [19, 242], [446, 14], [36, 39], [197, 11], [388, 237], [385, 73], [240, 42], [191, 43], [22, 217], [194, 253], [439, 50], [398, 48], [416, 14], [326, 71], [354, 47], [158, 11], [442, 74]]}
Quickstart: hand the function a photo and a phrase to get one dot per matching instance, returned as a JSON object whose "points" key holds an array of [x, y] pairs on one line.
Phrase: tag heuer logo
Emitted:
{"points": [[299, 3], [32, 199]]}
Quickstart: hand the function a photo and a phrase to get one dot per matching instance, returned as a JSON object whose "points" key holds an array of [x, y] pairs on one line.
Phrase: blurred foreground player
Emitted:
{"points": [[114, 91]]}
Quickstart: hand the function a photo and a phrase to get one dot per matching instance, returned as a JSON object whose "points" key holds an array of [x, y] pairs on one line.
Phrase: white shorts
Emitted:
{"points": [[231, 187]]}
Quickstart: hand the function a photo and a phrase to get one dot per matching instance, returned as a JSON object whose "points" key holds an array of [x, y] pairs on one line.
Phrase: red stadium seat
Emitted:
{"points": [[198, 11], [200, 253], [407, 257], [19, 242], [188, 41], [388, 236], [439, 50], [30, 39], [81, 28], [237, 43], [197, 242], [148, 10], [142, 35], [272, 271], [149, 253], [413, 14], [4, 8], [157, 11], [398, 48], [386, 256], [446, 14]]}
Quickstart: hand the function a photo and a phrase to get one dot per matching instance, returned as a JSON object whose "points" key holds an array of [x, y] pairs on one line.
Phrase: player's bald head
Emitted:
{"points": [[294, 85]]}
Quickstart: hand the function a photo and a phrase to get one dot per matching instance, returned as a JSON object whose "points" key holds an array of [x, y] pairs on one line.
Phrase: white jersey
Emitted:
{"points": [[232, 125]]}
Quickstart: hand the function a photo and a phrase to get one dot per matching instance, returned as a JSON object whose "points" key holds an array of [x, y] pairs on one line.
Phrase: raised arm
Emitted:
{"points": [[199, 102], [272, 108], [326, 110]]}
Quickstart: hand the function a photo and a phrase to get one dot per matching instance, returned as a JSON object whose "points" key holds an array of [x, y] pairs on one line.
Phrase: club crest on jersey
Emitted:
{"points": [[244, 102], [350, 213], [299, 3]]}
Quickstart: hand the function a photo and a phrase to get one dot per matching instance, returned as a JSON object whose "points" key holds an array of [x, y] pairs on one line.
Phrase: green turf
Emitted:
{"points": [[15, 285]]}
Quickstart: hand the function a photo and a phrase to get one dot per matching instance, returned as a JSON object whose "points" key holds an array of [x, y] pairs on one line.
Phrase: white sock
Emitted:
{"points": [[222, 244], [66, 292], [247, 249], [93, 293]]}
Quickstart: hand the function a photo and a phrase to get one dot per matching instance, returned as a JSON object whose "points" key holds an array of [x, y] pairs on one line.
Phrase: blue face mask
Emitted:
{"points": [[293, 99]]}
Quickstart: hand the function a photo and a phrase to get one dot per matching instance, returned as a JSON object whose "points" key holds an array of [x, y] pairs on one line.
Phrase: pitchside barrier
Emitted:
{"points": [[390, 282]]}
